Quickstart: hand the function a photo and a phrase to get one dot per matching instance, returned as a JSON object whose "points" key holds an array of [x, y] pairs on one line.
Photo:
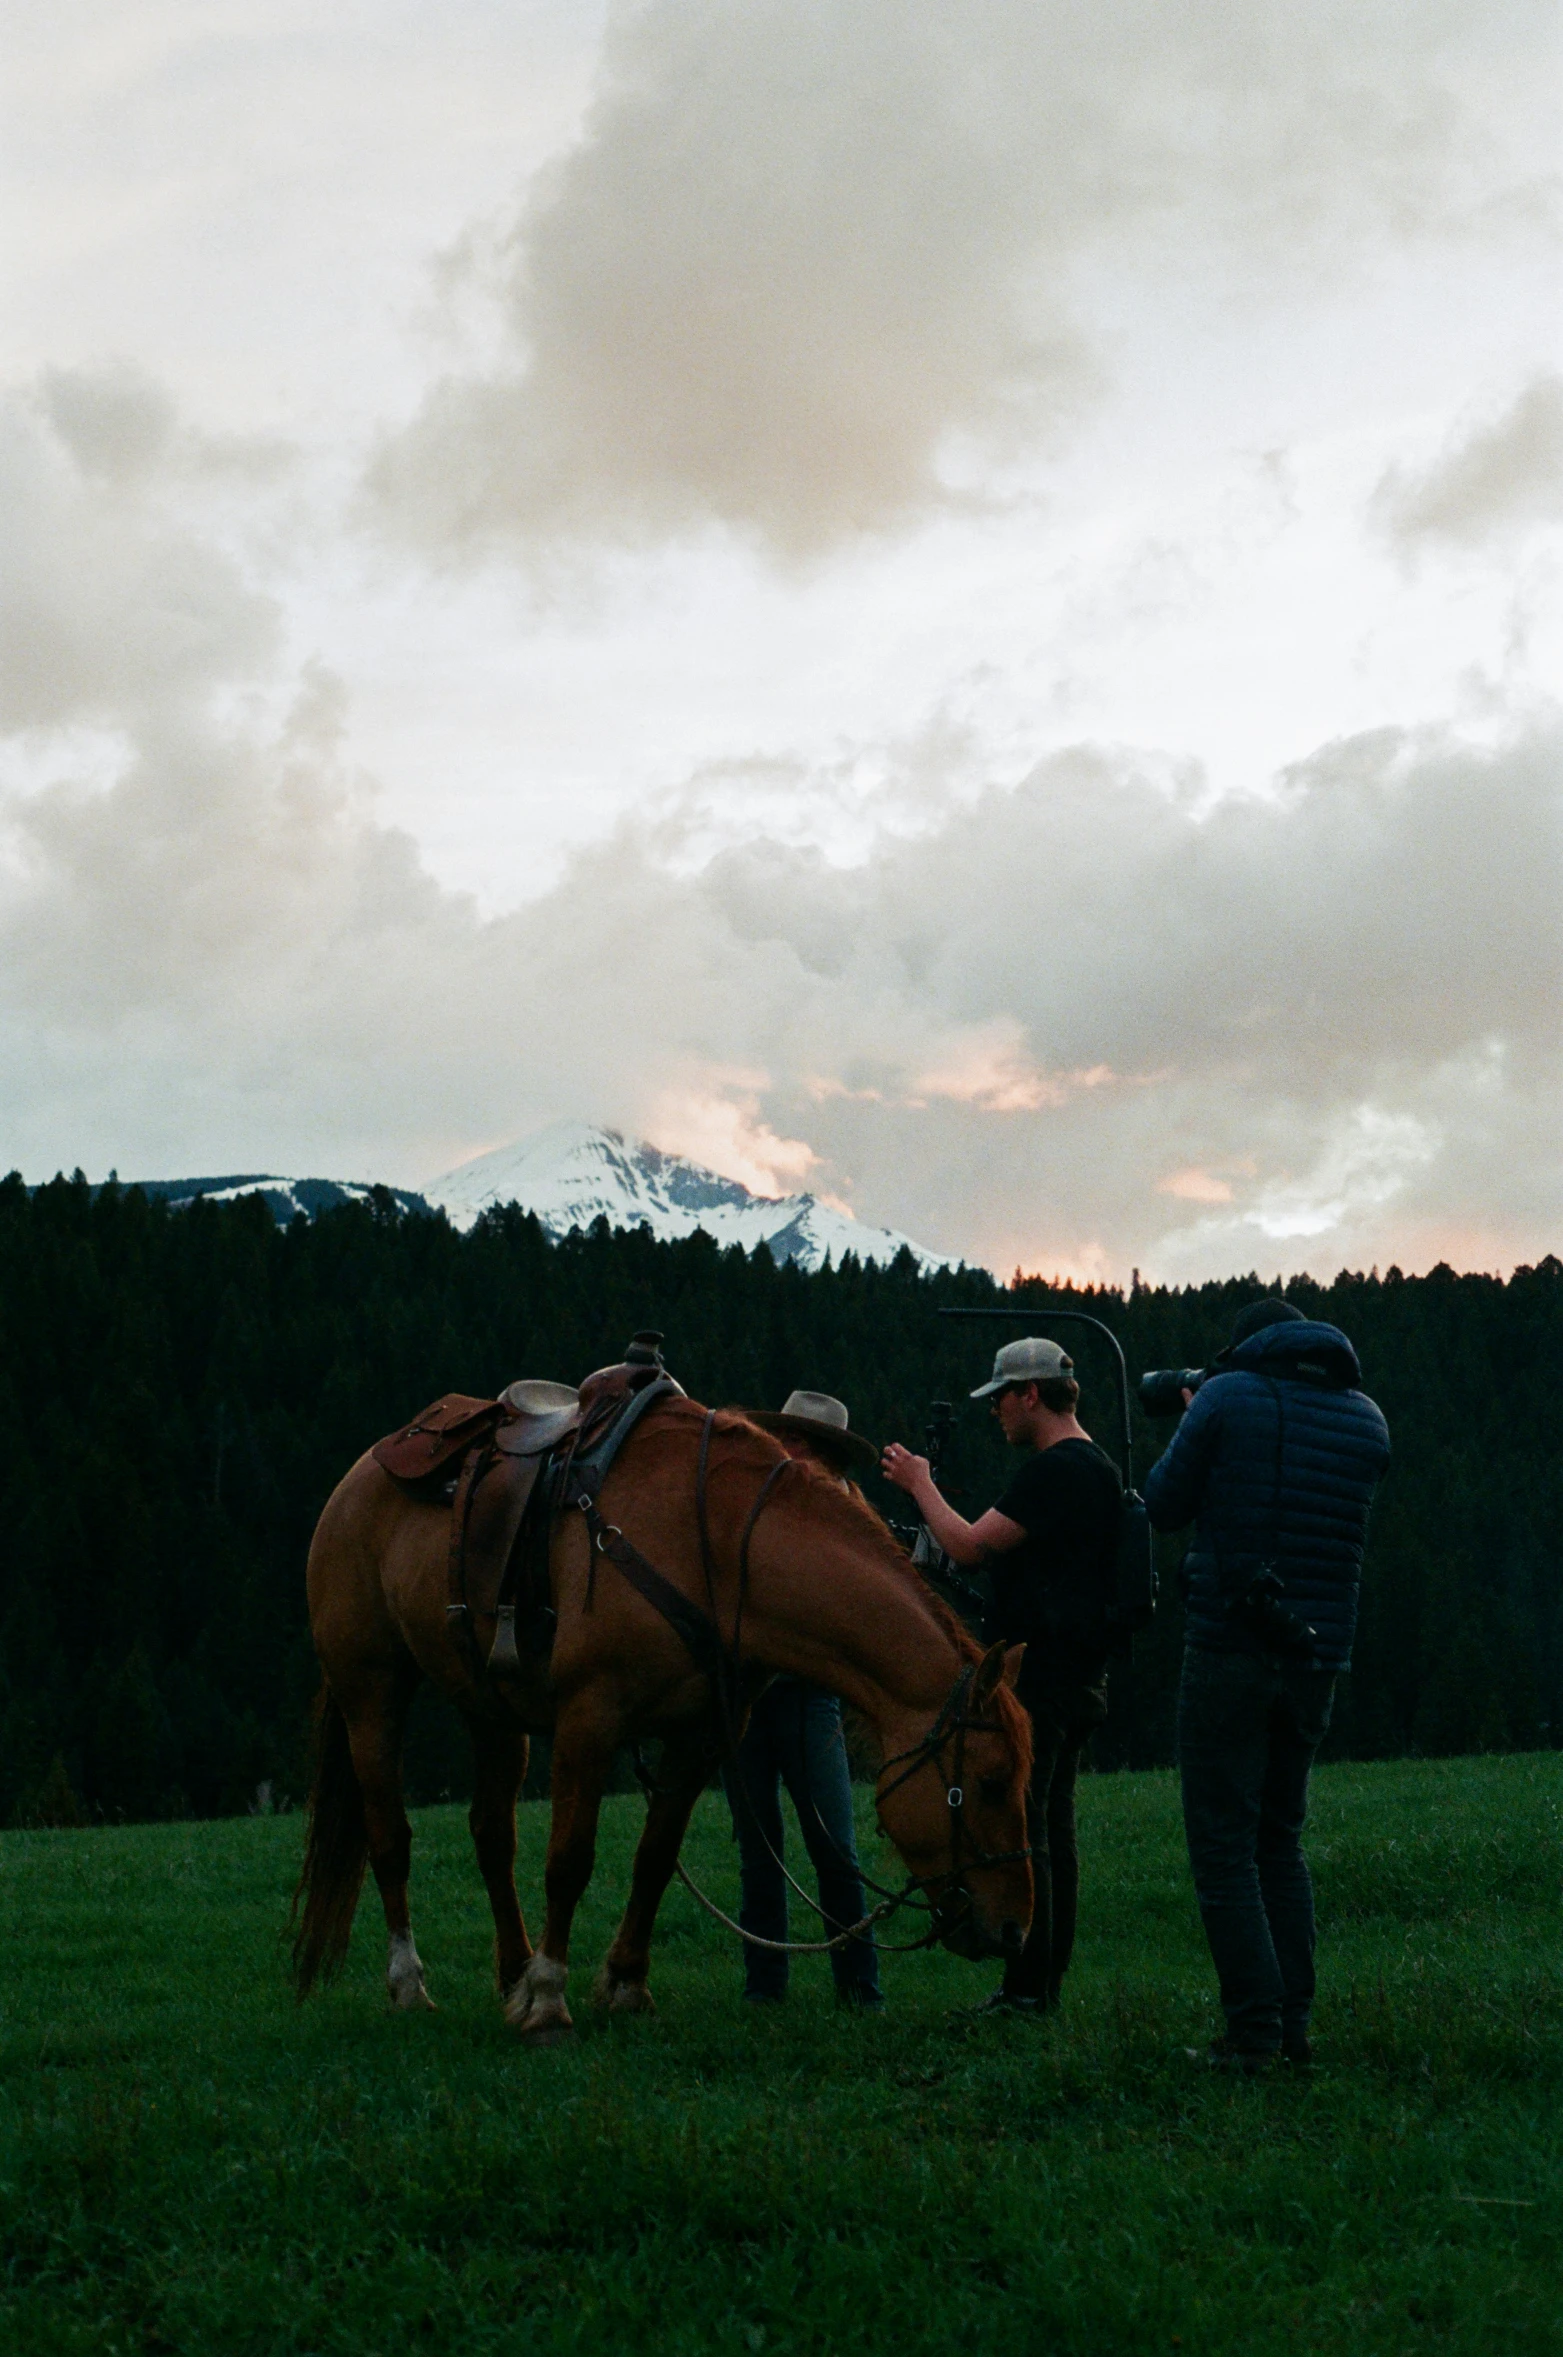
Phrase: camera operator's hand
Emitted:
{"points": [[967, 1542], [913, 1474], [1188, 1396]]}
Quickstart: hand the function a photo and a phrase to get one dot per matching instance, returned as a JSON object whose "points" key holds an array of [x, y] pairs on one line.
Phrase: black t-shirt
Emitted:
{"points": [[1050, 1591]]}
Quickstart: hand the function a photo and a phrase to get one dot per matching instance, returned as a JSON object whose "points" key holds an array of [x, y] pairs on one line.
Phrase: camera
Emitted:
{"points": [[1161, 1391], [1260, 1611]]}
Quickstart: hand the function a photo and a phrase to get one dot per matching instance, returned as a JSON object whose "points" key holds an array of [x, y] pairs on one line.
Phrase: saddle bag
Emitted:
{"points": [[438, 1437]]}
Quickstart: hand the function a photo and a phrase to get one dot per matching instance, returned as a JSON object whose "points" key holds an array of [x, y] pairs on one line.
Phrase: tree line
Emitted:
{"points": [[182, 1389]]}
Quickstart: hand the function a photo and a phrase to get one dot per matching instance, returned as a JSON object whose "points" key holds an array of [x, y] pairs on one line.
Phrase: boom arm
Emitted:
{"points": [[1035, 1315]]}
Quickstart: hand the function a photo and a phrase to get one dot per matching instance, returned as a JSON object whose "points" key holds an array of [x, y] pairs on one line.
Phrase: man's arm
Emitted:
{"points": [[1175, 1482], [966, 1542]]}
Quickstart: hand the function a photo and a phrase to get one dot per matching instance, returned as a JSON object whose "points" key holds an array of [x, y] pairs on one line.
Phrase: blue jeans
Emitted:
{"points": [[1248, 1727], [794, 1738]]}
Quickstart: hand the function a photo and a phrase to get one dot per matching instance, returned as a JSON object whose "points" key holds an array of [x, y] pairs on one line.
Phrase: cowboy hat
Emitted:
{"points": [[820, 1420]]}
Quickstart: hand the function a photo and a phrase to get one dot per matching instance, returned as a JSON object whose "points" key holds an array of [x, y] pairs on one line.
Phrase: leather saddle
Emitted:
{"points": [[501, 1465], [542, 1417]]}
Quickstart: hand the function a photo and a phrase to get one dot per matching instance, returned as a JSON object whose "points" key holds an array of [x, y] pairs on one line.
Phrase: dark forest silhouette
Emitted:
{"points": [[183, 1389]]}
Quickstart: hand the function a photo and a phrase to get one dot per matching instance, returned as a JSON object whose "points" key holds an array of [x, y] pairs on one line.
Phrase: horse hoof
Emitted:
{"points": [[549, 2033], [404, 1976], [616, 1996], [536, 2005]]}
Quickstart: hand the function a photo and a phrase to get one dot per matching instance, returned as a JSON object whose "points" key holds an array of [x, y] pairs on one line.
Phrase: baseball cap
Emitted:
{"points": [[1030, 1360]]}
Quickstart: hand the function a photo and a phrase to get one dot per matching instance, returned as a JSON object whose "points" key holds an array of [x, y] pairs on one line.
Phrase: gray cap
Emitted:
{"points": [[1030, 1360]]}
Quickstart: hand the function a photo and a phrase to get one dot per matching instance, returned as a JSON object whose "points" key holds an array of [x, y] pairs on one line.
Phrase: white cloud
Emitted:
{"points": [[1340, 1004], [110, 603], [717, 1122], [1497, 478], [807, 251]]}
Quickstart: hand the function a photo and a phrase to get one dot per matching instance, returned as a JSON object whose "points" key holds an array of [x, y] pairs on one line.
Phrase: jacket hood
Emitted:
{"points": [[1298, 1351]]}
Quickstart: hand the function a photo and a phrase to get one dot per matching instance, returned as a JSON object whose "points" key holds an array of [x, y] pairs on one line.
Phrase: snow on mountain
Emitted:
{"points": [[284, 1197], [572, 1173]]}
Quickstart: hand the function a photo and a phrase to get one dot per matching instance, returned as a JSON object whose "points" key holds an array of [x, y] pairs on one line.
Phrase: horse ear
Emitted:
{"points": [[1012, 1661], [990, 1670]]}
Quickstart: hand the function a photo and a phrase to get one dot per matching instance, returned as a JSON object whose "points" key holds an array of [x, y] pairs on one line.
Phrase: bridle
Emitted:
{"points": [[721, 1659], [953, 1724]]}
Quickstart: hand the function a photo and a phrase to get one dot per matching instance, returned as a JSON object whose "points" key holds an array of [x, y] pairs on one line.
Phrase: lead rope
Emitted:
{"points": [[855, 1931]]}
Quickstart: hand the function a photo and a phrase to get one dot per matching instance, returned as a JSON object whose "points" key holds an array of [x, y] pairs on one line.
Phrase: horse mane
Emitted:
{"points": [[873, 1535]]}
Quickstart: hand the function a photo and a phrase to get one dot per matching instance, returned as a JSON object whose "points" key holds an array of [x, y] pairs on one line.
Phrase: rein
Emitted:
{"points": [[722, 1664]]}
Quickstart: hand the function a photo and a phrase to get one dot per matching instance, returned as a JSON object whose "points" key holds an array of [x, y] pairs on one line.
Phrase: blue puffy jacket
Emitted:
{"points": [[1220, 1473]]}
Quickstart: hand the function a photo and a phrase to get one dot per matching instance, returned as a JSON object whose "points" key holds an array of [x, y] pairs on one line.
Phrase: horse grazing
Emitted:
{"points": [[816, 1586]]}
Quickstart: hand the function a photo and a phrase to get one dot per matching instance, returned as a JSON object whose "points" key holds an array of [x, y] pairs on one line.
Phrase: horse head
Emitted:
{"points": [[954, 1804]]}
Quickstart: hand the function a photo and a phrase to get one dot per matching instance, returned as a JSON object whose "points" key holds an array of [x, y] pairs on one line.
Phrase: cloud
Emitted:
{"points": [[806, 249], [718, 1122], [1086, 1021], [112, 604], [1342, 1004], [1498, 479]]}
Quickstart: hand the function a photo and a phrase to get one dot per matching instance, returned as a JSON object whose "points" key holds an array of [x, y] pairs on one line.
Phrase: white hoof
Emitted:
{"points": [[536, 2006], [404, 1976], [616, 1996]]}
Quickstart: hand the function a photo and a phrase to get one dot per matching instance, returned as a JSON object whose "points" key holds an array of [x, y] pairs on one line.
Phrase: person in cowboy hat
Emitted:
{"points": [[1046, 1544], [794, 1738]]}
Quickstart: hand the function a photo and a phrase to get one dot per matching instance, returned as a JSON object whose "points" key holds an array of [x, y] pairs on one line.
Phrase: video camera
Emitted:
{"points": [[926, 1552]]}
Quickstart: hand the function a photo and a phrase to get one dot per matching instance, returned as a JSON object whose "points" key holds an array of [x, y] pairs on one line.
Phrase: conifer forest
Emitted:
{"points": [[183, 1389]]}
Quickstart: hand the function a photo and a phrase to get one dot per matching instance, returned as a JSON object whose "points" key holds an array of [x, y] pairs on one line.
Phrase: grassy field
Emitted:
{"points": [[190, 2163]]}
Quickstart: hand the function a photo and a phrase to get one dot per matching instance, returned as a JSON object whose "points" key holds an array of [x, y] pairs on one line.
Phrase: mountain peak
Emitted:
{"points": [[572, 1172]]}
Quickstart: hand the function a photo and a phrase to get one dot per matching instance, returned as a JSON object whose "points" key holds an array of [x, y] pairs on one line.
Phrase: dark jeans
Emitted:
{"points": [[1248, 1728], [1061, 1727], [794, 1738]]}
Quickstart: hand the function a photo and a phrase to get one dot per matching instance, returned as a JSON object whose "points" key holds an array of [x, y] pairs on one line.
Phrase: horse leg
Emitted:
{"points": [[583, 1754], [681, 1776], [499, 1753], [376, 1719]]}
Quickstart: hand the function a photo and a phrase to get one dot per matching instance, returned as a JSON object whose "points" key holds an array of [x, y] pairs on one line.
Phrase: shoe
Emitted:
{"points": [[764, 1997], [1248, 2062], [863, 1998], [1297, 2053]]}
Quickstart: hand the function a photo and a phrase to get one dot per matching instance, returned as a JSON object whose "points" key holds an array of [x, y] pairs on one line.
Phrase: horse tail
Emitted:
{"points": [[335, 1854]]}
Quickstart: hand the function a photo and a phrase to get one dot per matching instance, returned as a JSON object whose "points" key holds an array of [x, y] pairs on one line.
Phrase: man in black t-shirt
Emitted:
{"points": [[1047, 1543]]}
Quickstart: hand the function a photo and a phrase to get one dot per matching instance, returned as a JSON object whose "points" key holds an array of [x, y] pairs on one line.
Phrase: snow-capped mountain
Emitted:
{"points": [[572, 1173], [283, 1197]]}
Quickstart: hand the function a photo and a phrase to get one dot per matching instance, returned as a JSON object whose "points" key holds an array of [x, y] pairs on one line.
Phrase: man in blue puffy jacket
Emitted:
{"points": [[1275, 1462]]}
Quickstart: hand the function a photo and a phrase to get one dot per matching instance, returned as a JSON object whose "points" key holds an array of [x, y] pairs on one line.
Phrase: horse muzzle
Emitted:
{"points": [[963, 1931]]}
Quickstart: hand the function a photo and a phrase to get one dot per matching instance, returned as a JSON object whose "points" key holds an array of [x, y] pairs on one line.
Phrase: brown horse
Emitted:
{"points": [[830, 1597]]}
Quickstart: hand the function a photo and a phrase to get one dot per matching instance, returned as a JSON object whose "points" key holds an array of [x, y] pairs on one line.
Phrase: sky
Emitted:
{"points": [[959, 608]]}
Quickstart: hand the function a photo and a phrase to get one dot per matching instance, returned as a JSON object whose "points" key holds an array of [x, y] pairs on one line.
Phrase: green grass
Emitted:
{"points": [[188, 2162]]}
